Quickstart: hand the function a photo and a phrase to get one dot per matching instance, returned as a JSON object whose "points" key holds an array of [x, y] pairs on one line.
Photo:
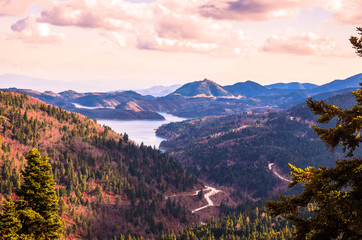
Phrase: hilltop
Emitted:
{"points": [[204, 88]]}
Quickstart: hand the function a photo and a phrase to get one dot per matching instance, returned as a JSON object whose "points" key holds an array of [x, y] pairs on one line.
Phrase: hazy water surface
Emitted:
{"points": [[141, 130]]}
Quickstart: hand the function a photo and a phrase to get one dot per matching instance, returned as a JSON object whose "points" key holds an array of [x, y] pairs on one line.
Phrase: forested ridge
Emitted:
{"points": [[235, 150], [106, 184]]}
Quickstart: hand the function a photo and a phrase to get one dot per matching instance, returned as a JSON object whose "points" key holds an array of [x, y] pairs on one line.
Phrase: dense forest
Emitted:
{"points": [[105, 183], [235, 150], [246, 222]]}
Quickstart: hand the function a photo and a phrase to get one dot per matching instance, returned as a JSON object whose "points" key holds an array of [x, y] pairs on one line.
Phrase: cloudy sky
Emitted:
{"points": [[123, 44]]}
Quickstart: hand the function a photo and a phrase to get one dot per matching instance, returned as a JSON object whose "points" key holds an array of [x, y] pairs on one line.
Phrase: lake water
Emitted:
{"points": [[141, 130]]}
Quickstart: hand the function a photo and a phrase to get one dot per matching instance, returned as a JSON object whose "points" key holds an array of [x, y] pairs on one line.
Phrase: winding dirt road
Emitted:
{"points": [[270, 166], [207, 196]]}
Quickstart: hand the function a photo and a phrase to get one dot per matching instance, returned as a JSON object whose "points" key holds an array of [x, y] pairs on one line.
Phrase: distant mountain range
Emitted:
{"points": [[292, 85], [158, 91], [208, 88], [40, 84], [195, 99]]}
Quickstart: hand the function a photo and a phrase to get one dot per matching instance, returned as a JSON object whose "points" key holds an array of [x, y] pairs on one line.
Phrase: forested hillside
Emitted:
{"points": [[236, 150], [247, 222], [106, 184]]}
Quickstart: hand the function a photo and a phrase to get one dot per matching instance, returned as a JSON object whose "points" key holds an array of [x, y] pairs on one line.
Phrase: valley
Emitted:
{"points": [[180, 120], [98, 172], [250, 152], [113, 181]]}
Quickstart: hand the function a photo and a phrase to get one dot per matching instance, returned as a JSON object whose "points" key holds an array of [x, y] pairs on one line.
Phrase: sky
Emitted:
{"points": [[121, 44]]}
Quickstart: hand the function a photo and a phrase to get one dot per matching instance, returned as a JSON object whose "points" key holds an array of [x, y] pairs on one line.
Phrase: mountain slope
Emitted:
{"points": [[159, 91], [106, 184], [204, 88], [351, 82], [236, 150], [292, 85], [247, 89], [114, 105]]}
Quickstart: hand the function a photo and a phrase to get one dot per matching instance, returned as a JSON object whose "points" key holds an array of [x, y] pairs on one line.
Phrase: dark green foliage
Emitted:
{"points": [[200, 194], [330, 206], [357, 42], [38, 195], [9, 221], [35, 214], [347, 129], [248, 223], [334, 195]]}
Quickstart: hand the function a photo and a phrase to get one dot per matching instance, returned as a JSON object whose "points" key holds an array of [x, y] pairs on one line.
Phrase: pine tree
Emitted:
{"points": [[334, 193], [39, 204], [9, 221], [357, 42]]}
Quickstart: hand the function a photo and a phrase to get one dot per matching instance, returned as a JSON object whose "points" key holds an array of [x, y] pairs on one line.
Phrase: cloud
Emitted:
{"points": [[345, 11], [305, 43], [14, 7], [109, 15], [253, 10], [162, 25], [29, 30], [21, 7], [174, 31]]}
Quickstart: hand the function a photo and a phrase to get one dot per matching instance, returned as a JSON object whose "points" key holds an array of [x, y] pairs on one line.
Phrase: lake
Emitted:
{"points": [[141, 130]]}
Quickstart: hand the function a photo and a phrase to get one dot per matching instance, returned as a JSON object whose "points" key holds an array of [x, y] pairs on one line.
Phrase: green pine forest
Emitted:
{"points": [[105, 184]]}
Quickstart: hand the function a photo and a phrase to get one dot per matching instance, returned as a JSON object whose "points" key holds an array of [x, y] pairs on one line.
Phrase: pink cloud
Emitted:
{"points": [[163, 25], [29, 30], [173, 31], [114, 15], [345, 12], [14, 8], [305, 43], [253, 10], [171, 25], [21, 7]]}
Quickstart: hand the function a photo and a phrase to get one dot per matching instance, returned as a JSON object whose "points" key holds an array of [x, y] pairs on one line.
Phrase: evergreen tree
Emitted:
{"points": [[9, 221], [357, 42], [39, 205], [330, 206]]}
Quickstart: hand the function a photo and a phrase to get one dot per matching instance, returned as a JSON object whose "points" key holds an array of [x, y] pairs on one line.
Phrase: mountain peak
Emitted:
{"points": [[247, 89], [204, 88], [208, 80]]}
